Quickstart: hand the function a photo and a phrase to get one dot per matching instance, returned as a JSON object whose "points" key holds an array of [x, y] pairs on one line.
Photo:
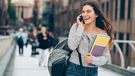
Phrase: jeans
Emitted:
{"points": [[77, 70]]}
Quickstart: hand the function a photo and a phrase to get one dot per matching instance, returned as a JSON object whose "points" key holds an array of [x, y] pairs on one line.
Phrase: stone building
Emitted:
{"points": [[24, 9]]}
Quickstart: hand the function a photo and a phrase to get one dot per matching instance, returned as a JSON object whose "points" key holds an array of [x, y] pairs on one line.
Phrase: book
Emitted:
{"points": [[100, 43]]}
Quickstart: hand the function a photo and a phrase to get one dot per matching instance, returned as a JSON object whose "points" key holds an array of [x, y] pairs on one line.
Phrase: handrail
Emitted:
{"points": [[132, 46], [4, 37], [130, 42], [7, 46], [124, 41], [121, 54]]}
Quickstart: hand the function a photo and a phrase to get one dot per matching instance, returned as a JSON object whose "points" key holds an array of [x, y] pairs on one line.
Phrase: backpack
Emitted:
{"points": [[58, 59], [20, 41]]}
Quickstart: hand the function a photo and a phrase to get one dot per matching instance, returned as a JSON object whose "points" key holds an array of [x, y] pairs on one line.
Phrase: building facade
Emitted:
{"points": [[3, 11], [3, 15], [24, 9]]}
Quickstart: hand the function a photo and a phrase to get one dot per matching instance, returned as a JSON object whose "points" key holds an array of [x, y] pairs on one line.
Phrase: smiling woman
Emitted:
{"points": [[82, 35], [88, 15]]}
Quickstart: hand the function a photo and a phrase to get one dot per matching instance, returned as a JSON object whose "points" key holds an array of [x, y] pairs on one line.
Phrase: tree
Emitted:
{"points": [[12, 12], [48, 16]]}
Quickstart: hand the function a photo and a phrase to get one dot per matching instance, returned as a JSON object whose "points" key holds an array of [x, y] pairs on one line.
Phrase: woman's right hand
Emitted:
{"points": [[78, 20], [88, 58]]}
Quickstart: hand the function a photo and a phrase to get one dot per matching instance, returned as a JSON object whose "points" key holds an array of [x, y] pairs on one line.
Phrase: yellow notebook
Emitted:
{"points": [[100, 43]]}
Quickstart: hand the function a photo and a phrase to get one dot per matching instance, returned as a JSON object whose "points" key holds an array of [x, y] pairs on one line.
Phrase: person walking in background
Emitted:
{"points": [[33, 41], [19, 40], [25, 37], [90, 22], [54, 40], [45, 44]]}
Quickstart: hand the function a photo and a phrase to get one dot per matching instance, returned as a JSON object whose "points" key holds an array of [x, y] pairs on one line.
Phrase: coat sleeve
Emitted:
{"points": [[75, 35]]}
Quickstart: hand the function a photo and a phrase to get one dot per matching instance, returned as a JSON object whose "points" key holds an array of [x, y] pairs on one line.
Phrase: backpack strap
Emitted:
{"points": [[79, 56], [70, 51]]}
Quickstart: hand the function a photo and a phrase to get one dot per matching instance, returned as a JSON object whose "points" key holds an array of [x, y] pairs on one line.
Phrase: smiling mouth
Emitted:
{"points": [[86, 18]]}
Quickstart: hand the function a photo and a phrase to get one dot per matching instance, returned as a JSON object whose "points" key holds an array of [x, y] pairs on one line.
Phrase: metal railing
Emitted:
{"points": [[116, 44], [7, 46]]}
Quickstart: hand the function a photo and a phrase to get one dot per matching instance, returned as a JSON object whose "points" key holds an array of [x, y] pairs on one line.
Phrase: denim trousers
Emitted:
{"points": [[77, 70]]}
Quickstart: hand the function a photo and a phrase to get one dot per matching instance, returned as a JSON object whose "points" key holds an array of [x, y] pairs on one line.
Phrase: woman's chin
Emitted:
{"points": [[86, 22]]}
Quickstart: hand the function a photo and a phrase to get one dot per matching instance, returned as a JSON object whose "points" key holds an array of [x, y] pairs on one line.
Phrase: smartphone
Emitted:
{"points": [[81, 18]]}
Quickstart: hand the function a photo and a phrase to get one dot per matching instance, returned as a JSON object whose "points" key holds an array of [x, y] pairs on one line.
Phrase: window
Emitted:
{"points": [[122, 9], [127, 45], [103, 7], [129, 9], [121, 36], [107, 8], [116, 9]]}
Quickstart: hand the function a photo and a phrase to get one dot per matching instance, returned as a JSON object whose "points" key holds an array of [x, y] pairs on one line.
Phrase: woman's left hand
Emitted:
{"points": [[88, 58]]}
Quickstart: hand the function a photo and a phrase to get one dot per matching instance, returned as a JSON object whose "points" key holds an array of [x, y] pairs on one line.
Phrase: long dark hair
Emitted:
{"points": [[101, 21]]}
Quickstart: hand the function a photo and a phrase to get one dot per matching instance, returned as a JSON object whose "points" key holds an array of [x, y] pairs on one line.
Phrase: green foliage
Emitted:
{"points": [[12, 11]]}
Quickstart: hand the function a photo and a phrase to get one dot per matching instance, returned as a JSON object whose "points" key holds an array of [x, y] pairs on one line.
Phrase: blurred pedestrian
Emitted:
{"points": [[19, 40], [25, 37], [45, 44], [33, 41], [54, 40]]}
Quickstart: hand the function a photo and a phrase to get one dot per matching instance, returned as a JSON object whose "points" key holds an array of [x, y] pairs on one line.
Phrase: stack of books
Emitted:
{"points": [[100, 43]]}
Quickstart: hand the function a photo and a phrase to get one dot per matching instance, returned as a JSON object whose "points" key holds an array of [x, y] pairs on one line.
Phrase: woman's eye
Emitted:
{"points": [[88, 11]]}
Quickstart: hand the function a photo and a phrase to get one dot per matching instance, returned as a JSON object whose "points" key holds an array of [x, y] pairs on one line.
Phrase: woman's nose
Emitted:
{"points": [[85, 13]]}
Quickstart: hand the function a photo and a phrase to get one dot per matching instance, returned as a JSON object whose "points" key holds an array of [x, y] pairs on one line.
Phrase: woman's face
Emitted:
{"points": [[88, 14], [34, 31], [43, 30]]}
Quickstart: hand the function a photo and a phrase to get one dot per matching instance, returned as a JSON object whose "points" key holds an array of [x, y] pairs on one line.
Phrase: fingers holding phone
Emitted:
{"points": [[80, 19]]}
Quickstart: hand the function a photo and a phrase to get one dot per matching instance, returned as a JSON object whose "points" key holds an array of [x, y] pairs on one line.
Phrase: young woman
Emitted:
{"points": [[82, 35], [45, 44]]}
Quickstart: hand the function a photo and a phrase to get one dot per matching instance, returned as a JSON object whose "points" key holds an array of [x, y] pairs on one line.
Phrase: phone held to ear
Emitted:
{"points": [[81, 19]]}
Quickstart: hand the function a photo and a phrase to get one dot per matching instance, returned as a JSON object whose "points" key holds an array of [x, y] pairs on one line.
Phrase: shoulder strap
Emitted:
{"points": [[79, 56], [70, 51]]}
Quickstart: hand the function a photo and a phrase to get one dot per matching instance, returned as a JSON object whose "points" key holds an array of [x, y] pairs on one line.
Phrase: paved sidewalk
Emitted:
{"points": [[28, 66]]}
